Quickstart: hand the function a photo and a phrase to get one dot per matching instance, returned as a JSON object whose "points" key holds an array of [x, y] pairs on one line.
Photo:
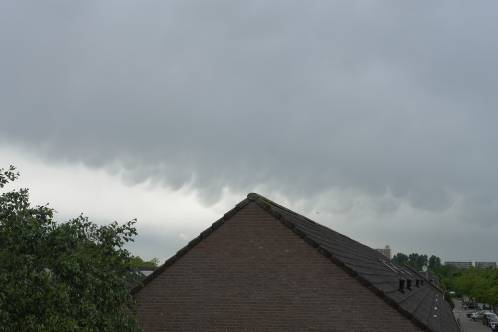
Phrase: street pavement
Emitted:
{"points": [[466, 323]]}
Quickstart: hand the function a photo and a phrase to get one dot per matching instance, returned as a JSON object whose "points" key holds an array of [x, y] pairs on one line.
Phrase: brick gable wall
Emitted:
{"points": [[253, 273]]}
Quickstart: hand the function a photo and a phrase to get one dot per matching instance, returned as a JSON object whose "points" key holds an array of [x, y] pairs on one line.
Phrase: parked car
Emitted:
{"points": [[466, 305], [489, 317], [472, 314], [494, 326], [471, 305], [479, 314], [484, 306]]}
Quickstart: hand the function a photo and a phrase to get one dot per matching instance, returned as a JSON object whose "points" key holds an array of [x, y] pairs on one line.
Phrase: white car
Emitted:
{"points": [[477, 315]]}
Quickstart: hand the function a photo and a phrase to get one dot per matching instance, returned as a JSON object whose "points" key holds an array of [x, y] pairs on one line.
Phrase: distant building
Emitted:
{"points": [[460, 265], [485, 265], [386, 251]]}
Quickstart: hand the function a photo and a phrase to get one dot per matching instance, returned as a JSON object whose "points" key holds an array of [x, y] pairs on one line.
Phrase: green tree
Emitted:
{"points": [[400, 259], [480, 284], [138, 263], [417, 261], [434, 263], [421, 262], [69, 276], [413, 260]]}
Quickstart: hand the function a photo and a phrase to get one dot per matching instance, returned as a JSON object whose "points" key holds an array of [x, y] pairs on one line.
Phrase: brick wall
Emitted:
{"points": [[253, 273]]}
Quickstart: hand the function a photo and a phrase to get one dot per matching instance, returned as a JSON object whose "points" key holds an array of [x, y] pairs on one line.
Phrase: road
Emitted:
{"points": [[467, 324]]}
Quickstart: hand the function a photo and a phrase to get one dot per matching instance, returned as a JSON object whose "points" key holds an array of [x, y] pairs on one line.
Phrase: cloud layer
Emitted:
{"points": [[390, 98]]}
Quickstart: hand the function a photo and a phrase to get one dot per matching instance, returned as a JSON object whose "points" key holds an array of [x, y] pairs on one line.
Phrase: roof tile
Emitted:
{"points": [[425, 304]]}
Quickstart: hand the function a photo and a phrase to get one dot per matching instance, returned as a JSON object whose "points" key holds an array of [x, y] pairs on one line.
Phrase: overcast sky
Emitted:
{"points": [[378, 119]]}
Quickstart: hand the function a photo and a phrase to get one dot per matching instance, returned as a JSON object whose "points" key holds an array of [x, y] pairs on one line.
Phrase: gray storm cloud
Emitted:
{"points": [[299, 97]]}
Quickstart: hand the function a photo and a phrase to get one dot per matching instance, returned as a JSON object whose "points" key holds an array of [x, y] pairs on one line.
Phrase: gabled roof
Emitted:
{"points": [[402, 288]]}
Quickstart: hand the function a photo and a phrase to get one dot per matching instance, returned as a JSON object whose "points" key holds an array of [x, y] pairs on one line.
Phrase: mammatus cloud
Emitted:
{"points": [[168, 219], [383, 99]]}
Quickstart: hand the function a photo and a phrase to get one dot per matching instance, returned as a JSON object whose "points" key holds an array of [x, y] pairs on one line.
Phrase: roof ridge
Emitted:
{"points": [[255, 196]]}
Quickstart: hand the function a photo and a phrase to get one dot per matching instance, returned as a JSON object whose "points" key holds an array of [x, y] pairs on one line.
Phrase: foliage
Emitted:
{"points": [[417, 261], [434, 263], [138, 263], [400, 259], [479, 284], [69, 276], [414, 260]]}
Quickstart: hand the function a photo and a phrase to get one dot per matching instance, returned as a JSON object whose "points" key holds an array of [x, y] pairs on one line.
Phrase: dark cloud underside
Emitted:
{"points": [[298, 96]]}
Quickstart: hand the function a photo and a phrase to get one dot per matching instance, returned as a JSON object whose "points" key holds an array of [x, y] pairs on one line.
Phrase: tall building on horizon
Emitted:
{"points": [[460, 265], [485, 265], [385, 251]]}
